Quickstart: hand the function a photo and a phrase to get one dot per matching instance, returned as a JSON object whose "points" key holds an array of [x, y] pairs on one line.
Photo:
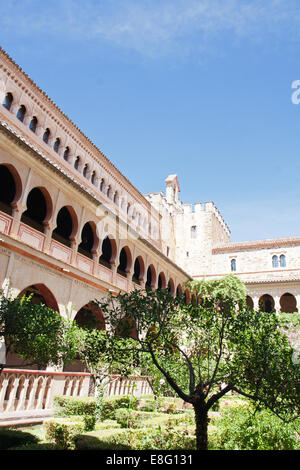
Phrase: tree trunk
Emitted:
{"points": [[201, 418]]}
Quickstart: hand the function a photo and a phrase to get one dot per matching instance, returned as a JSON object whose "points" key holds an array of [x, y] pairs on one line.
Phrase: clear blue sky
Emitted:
{"points": [[198, 88]]}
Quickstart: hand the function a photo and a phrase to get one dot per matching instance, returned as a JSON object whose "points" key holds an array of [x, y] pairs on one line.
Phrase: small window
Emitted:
{"points": [[93, 178], [233, 265], [76, 164], [33, 124], [85, 170], [56, 145], [46, 136], [187, 254], [275, 261], [21, 113], [168, 251], [8, 101], [282, 261], [194, 231], [66, 154]]}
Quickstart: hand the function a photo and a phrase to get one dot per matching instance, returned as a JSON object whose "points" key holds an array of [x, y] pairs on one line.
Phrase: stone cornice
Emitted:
{"points": [[258, 244]]}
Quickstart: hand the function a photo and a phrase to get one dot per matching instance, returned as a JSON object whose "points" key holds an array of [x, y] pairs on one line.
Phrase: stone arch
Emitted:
{"points": [[46, 135], [21, 113], [10, 187], [249, 302], [39, 209], [40, 295], [125, 261], [187, 296], [179, 290], [66, 225], [161, 282], [138, 270], [288, 303], [89, 240], [8, 100], [151, 277], [266, 303], [108, 251], [90, 316], [171, 287]]}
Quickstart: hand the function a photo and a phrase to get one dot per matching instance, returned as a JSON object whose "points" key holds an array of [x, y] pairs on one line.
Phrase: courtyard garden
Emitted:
{"points": [[130, 423]]}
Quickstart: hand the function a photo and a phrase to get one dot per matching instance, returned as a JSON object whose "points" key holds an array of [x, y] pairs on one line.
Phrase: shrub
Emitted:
{"points": [[89, 422], [242, 430], [147, 405], [63, 433], [78, 406], [13, 438], [111, 404], [155, 439]]}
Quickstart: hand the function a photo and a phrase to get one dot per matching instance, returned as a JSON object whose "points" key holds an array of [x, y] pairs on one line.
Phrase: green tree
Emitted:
{"points": [[38, 334], [218, 346]]}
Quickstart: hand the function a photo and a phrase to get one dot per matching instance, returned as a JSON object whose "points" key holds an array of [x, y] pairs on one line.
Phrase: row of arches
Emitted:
{"points": [[287, 302], [137, 214], [38, 214]]}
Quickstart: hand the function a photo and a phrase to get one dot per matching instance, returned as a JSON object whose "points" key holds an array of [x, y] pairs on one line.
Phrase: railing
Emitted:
{"points": [[31, 392]]}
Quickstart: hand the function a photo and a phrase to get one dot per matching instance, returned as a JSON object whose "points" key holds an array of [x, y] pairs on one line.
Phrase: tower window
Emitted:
{"points": [[233, 265], [194, 231], [275, 261], [282, 261]]}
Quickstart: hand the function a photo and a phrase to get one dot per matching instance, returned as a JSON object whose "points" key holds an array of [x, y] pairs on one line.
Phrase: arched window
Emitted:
{"points": [[66, 154], [76, 163], [87, 241], [102, 184], [138, 270], [8, 101], [21, 113], [109, 192], [46, 136], [151, 277], [36, 211], [282, 261], [107, 253], [85, 170], [7, 189], [33, 124], [64, 227], [56, 145], [161, 281], [233, 265], [116, 198], [123, 263], [275, 261], [93, 177]]}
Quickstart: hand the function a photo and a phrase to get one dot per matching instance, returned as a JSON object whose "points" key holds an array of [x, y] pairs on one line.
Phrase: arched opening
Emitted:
{"points": [[187, 296], [8, 189], [66, 225], [161, 283], [249, 302], [109, 192], [139, 269], [37, 210], [266, 303], [288, 303], [33, 124], [8, 101], [76, 163], [282, 261], [85, 170], [179, 291], [90, 316], [171, 287], [21, 113], [46, 136], [124, 262], [151, 277], [93, 178], [116, 198], [40, 295], [66, 154], [87, 240], [275, 261], [102, 185], [108, 252], [233, 265], [56, 145], [127, 328]]}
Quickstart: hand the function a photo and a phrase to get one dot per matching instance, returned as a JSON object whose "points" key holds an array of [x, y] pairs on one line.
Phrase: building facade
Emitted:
{"points": [[73, 229]]}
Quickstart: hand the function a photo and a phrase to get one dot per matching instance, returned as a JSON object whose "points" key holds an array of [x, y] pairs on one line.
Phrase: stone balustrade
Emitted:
{"points": [[29, 393]]}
